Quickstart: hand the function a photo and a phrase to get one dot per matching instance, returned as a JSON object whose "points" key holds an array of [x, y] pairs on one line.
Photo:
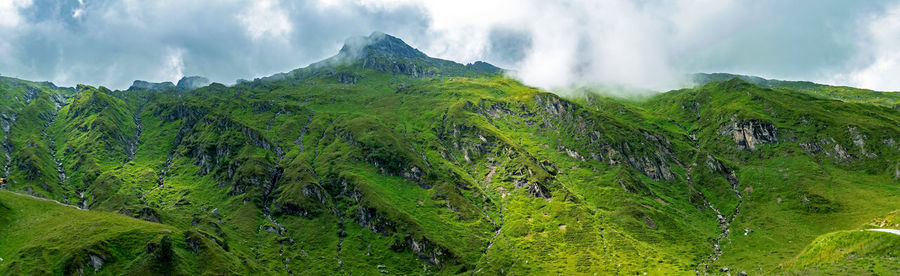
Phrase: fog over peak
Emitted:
{"points": [[551, 44]]}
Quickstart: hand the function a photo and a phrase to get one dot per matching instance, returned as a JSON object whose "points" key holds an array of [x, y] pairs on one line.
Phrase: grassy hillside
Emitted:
{"points": [[42, 237], [842, 93], [383, 160]]}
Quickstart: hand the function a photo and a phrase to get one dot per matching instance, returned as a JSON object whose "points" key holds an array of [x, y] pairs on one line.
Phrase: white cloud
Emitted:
{"points": [[581, 41], [172, 67], [265, 18], [9, 12], [880, 54], [79, 11], [550, 44]]}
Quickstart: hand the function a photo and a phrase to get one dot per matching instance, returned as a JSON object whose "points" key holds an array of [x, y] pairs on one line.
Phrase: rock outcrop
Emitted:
{"points": [[144, 85], [751, 133], [192, 82]]}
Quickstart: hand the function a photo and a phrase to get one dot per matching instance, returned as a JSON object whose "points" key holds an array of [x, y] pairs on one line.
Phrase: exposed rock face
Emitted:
{"points": [[484, 67], [361, 47], [144, 85], [749, 134], [348, 78], [6, 121], [426, 250], [650, 158], [859, 140], [311, 191], [386, 53], [533, 188], [654, 168], [811, 147], [538, 190], [834, 149], [96, 262], [30, 94], [208, 156], [368, 218], [193, 82], [897, 171], [571, 153]]}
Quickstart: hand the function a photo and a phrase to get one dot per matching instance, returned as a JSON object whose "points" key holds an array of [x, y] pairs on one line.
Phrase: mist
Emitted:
{"points": [[555, 45]]}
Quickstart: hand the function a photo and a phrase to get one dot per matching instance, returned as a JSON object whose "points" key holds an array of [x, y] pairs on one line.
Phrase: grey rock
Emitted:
{"points": [[96, 262], [749, 134], [361, 47], [145, 85], [484, 67], [30, 94], [192, 82], [348, 78]]}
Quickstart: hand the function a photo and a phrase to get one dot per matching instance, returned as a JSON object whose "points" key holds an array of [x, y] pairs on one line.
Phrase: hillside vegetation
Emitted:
{"points": [[384, 160]]}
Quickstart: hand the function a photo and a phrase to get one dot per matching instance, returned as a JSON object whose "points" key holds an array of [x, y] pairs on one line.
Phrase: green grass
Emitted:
{"points": [[455, 171], [43, 237], [849, 252]]}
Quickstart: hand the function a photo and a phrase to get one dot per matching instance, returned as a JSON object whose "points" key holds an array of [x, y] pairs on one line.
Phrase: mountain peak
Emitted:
{"points": [[185, 83], [386, 53], [359, 47], [192, 82], [145, 85]]}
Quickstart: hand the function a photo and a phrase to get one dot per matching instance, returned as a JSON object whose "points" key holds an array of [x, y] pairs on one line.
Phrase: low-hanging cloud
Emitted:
{"points": [[878, 60], [551, 44]]}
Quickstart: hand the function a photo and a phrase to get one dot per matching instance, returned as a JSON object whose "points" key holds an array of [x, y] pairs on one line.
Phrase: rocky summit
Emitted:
{"points": [[383, 160], [191, 83]]}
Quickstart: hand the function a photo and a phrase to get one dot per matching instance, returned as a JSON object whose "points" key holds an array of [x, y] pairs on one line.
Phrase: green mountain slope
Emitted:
{"points": [[384, 160], [843, 93]]}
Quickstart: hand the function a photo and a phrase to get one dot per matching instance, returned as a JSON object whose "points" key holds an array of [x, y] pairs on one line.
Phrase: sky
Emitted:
{"points": [[648, 44]]}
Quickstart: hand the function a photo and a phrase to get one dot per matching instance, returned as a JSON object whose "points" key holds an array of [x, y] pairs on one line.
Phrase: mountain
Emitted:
{"points": [[145, 85], [382, 160], [184, 84], [191, 83], [384, 53], [842, 93]]}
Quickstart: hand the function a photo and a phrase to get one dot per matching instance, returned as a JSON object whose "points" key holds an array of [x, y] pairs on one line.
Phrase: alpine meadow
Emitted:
{"points": [[383, 160]]}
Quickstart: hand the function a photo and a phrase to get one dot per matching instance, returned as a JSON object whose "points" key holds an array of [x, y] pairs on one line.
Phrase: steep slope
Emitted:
{"points": [[27, 111], [843, 93], [66, 240], [384, 160], [849, 252], [872, 250], [805, 166]]}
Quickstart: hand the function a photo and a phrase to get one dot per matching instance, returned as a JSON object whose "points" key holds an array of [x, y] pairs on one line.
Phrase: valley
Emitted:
{"points": [[383, 160]]}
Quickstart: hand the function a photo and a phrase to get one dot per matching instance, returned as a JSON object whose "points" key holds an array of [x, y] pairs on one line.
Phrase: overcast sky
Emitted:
{"points": [[643, 43]]}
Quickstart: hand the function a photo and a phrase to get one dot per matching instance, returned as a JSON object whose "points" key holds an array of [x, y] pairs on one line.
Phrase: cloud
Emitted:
{"points": [[79, 11], [550, 44], [9, 12], [879, 57], [114, 42], [645, 44], [265, 18], [557, 44], [172, 68]]}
